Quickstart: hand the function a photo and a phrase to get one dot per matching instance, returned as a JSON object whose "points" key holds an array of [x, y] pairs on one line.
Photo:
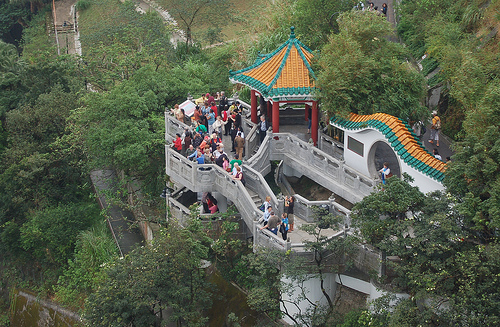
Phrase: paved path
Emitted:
{"points": [[444, 148], [122, 223]]}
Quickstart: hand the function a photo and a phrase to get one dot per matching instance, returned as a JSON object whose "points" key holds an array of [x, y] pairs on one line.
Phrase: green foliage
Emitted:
{"points": [[94, 249], [363, 72], [35, 174], [428, 65], [271, 274], [323, 14], [11, 13], [50, 234], [119, 45], [378, 213], [37, 45], [11, 67], [474, 179], [81, 5], [163, 275], [122, 128], [441, 264]]}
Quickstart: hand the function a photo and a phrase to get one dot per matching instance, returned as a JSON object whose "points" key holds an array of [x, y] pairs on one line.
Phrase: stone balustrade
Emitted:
{"points": [[325, 170], [212, 178], [301, 156], [304, 209], [331, 146]]}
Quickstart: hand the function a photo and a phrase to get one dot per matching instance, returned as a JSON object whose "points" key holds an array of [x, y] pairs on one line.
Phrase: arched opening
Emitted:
{"points": [[381, 152]]}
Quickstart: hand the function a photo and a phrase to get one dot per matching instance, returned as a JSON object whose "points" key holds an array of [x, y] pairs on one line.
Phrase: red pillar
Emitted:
{"points": [[269, 111], [253, 107], [306, 114], [314, 125], [276, 117]]}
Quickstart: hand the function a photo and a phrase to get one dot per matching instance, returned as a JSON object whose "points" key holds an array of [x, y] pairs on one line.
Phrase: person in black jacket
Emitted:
{"points": [[222, 101]]}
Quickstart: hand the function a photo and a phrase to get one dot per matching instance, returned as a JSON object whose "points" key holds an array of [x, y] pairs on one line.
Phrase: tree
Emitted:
{"points": [[362, 71], [123, 43], [164, 275], [95, 249], [275, 274], [441, 265], [323, 14], [190, 13], [10, 70], [13, 17], [50, 234]]}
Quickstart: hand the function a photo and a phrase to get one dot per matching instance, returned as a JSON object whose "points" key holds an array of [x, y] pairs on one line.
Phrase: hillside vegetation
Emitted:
{"points": [[62, 117]]}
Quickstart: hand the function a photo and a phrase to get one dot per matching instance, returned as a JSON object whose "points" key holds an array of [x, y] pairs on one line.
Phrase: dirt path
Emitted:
{"points": [[64, 12]]}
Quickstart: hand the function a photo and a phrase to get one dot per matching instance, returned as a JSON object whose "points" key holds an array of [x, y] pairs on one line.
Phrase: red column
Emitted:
{"points": [[306, 114], [269, 111], [314, 125], [253, 107], [276, 117]]}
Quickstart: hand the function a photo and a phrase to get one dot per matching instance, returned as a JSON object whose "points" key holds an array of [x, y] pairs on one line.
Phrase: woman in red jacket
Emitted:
{"points": [[178, 143]]}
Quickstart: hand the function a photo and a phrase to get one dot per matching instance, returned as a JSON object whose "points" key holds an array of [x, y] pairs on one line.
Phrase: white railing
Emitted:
{"points": [[212, 178], [304, 209], [325, 170], [331, 146]]}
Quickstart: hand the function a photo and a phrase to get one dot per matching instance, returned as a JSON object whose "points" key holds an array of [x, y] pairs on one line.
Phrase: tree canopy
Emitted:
{"points": [[167, 275], [362, 71]]}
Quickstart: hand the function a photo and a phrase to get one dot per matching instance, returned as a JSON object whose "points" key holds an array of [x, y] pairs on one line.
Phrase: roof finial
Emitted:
{"points": [[292, 32]]}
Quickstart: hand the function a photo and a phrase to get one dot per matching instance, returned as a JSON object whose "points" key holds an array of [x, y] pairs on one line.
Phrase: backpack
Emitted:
{"points": [[438, 124]]}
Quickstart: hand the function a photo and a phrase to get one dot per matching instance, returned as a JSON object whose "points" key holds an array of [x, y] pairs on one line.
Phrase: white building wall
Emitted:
{"points": [[313, 291], [369, 137]]}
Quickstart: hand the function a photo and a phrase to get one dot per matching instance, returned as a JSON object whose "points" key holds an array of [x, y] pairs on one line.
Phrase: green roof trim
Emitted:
{"points": [[398, 147]]}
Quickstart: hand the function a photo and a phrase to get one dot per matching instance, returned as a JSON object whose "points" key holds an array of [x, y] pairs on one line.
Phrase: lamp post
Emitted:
{"points": [[165, 194]]}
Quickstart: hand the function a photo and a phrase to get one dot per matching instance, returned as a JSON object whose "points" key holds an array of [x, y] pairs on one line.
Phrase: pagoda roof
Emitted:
{"points": [[401, 137], [282, 75]]}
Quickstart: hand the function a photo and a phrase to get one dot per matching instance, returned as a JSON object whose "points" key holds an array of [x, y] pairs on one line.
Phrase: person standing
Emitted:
{"points": [[435, 127], [222, 101], [284, 226], [233, 133], [236, 160], [239, 144], [272, 223], [211, 120], [384, 9], [178, 143], [226, 120], [237, 118], [266, 215], [262, 128], [289, 204], [385, 172]]}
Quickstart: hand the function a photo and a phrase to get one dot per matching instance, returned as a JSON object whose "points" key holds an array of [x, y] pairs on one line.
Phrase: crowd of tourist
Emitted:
{"points": [[371, 6], [201, 141], [273, 223], [212, 118]]}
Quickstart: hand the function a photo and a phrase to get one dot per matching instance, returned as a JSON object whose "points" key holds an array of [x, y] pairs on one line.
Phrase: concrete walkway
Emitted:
{"points": [[121, 221]]}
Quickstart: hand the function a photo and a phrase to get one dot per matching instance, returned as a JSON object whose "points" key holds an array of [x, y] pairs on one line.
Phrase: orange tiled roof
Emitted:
{"points": [[402, 139], [284, 74]]}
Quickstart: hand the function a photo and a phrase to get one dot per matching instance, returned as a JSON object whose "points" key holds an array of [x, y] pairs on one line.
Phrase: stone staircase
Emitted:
{"points": [[255, 197]]}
